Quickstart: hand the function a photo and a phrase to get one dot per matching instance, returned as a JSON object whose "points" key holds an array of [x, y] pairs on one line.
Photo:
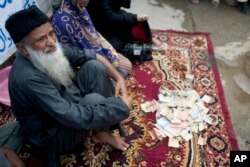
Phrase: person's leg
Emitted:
{"points": [[117, 41], [103, 135], [159, 45], [3, 160], [243, 6], [11, 136], [63, 141], [93, 78], [67, 138], [92, 99]]}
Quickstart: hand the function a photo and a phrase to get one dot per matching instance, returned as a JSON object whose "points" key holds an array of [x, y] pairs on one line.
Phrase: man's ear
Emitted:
{"points": [[22, 49]]}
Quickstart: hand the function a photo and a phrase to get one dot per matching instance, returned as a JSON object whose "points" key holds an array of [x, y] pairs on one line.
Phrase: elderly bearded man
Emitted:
{"points": [[54, 107]]}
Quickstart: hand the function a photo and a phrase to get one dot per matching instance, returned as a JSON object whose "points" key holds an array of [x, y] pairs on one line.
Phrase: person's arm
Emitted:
{"points": [[120, 88], [42, 94], [105, 12], [12, 157], [105, 44], [78, 57]]}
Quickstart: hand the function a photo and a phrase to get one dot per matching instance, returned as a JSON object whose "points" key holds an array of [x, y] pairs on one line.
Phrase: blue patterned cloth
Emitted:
{"points": [[75, 28]]}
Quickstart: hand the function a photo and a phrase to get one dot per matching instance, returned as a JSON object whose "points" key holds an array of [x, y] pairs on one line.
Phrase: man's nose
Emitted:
{"points": [[51, 41]]}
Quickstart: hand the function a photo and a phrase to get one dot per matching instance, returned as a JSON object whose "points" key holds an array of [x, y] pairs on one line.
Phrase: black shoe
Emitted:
{"points": [[244, 7]]}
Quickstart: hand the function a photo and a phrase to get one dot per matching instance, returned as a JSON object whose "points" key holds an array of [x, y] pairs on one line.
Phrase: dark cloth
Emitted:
{"points": [[112, 22], [244, 7], [47, 111], [10, 137], [23, 22]]}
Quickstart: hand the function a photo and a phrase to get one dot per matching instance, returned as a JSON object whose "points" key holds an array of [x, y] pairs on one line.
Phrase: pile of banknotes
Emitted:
{"points": [[179, 116]]}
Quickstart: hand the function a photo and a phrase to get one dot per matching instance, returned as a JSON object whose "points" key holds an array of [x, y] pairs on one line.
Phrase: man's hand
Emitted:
{"points": [[13, 158], [127, 100], [142, 18], [120, 87]]}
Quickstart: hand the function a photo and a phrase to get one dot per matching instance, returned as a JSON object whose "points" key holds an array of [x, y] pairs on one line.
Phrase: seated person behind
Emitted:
{"points": [[73, 26], [55, 107], [116, 24], [11, 141]]}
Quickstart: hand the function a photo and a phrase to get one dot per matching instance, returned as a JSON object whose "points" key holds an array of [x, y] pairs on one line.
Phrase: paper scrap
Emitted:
{"points": [[175, 121], [158, 134], [194, 114], [187, 136], [206, 98], [201, 140], [190, 76], [201, 126], [194, 128], [163, 122], [205, 111], [150, 106], [182, 116], [166, 111], [153, 134], [163, 98], [168, 134], [207, 119], [172, 142]]}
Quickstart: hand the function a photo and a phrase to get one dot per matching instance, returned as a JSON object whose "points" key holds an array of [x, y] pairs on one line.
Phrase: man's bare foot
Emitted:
{"points": [[109, 138], [158, 45], [127, 120], [156, 42]]}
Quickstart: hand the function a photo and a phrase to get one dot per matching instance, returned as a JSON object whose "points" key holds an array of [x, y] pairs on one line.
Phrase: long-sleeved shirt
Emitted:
{"points": [[40, 105]]}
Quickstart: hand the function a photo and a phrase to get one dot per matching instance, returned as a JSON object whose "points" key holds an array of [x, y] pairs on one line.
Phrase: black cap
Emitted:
{"points": [[23, 22]]}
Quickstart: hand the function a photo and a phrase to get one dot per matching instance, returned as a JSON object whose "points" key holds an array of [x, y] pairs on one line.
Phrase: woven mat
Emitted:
{"points": [[186, 53]]}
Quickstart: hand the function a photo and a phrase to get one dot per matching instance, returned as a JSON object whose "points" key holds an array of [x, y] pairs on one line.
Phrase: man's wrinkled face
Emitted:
{"points": [[46, 54], [42, 39]]}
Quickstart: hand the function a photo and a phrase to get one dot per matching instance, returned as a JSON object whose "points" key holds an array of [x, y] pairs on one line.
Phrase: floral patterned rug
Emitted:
{"points": [[190, 53]]}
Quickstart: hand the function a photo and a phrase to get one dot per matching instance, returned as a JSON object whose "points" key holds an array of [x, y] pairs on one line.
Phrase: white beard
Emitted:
{"points": [[55, 65]]}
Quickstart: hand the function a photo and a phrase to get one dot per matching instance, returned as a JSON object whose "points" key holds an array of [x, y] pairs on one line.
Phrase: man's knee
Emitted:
{"points": [[12, 128], [11, 136], [95, 65], [92, 99]]}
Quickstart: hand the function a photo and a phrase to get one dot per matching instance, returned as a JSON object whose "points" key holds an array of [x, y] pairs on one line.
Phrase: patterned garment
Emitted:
{"points": [[75, 28]]}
